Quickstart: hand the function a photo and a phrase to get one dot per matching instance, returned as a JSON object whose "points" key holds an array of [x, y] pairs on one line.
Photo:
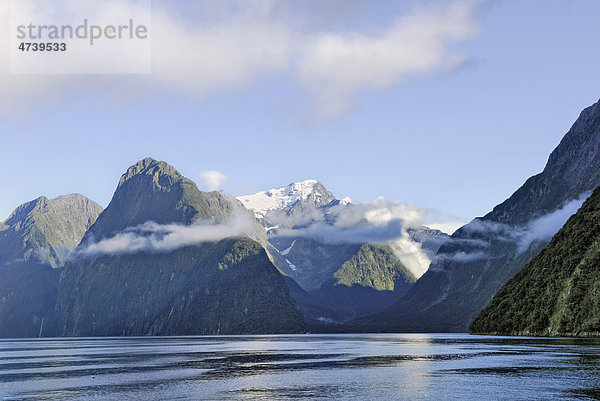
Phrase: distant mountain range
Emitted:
{"points": [[165, 258], [333, 278], [291, 201]]}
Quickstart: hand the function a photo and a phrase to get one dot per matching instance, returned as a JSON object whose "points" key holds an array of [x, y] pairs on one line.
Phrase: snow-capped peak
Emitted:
{"points": [[345, 201], [264, 202]]}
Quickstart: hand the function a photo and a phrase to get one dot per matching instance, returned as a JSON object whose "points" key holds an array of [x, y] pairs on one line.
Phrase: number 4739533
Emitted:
{"points": [[42, 47]]}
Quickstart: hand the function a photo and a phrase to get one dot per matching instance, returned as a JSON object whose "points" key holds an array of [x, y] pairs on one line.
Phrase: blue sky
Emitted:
{"points": [[457, 125]]}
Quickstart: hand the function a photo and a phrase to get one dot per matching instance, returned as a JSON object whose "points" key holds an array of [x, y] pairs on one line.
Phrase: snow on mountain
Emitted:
{"points": [[287, 250], [285, 198]]}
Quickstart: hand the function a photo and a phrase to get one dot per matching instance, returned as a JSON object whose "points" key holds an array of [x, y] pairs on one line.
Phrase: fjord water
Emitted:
{"points": [[362, 367]]}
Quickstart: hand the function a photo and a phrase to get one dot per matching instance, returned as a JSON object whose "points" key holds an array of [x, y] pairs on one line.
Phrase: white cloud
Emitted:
{"points": [[379, 212], [153, 237], [544, 227], [187, 57], [379, 221], [198, 59], [230, 43], [447, 225], [213, 180], [336, 66], [411, 254], [463, 257]]}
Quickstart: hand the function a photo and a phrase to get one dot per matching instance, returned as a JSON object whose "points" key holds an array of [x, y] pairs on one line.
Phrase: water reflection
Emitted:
{"points": [[413, 366]]}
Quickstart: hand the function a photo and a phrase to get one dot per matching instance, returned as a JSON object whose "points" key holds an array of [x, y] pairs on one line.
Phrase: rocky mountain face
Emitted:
{"points": [[35, 242], [558, 292], [332, 280], [482, 256], [160, 282]]}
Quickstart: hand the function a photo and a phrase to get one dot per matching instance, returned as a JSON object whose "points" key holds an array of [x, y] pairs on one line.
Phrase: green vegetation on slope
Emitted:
{"points": [[558, 292], [374, 267], [371, 279]]}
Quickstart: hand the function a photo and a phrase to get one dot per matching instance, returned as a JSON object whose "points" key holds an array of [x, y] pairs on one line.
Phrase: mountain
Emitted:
{"points": [[155, 191], [482, 256], [35, 242], [332, 280], [287, 201], [140, 271], [558, 292], [371, 278], [344, 280], [46, 229]]}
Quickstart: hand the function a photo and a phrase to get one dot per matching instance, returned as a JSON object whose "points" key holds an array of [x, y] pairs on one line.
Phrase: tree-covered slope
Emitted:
{"points": [[376, 267], [371, 279], [334, 283], [558, 292]]}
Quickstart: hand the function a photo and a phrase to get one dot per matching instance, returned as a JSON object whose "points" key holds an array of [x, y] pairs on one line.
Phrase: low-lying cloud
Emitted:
{"points": [[544, 227], [411, 254], [481, 233], [380, 221], [153, 237]]}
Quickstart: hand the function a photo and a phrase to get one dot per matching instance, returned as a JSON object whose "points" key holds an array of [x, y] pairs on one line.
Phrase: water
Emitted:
{"points": [[322, 367]]}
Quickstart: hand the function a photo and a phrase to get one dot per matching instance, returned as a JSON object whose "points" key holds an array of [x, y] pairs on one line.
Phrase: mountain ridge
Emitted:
{"points": [[151, 185]]}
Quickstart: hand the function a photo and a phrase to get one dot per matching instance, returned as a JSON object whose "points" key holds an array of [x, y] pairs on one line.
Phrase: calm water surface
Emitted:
{"points": [[321, 367]]}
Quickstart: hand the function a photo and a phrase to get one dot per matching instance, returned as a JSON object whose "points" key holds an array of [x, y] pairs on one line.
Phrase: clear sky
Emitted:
{"points": [[449, 105]]}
